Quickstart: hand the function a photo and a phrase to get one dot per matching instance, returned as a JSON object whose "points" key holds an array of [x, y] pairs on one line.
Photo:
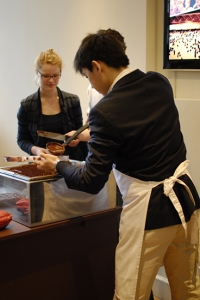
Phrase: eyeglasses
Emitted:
{"points": [[48, 77]]}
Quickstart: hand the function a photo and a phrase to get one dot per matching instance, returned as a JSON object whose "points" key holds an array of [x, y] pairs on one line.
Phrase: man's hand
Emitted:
{"points": [[75, 142], [84, 136], [48, 163]]}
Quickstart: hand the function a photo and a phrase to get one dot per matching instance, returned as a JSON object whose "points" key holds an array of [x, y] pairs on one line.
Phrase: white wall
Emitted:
{"points": [[29, 27], [190, 124]]}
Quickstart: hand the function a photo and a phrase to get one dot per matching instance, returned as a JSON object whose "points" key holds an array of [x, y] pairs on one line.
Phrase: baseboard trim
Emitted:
{"points": [[161, 288]]}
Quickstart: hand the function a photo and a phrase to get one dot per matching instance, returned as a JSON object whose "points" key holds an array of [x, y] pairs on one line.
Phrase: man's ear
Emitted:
{"points": [[96, 65]]}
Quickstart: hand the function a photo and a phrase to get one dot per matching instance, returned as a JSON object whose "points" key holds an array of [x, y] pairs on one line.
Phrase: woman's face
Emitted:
{"points": [[48, 76]]}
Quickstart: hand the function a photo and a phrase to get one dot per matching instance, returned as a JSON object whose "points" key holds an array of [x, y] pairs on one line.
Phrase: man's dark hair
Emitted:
{"points": [[115, 33], [100, 47]]}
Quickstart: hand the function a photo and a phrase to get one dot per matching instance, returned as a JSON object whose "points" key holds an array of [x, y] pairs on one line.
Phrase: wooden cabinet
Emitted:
{"points": [[71, 260]]}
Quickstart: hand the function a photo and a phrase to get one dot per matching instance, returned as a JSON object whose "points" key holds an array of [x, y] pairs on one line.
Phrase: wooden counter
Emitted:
{"points": [[69, 260]]}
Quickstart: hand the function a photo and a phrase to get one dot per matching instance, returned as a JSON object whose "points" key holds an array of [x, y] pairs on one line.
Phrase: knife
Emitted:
{"points": [[52, 135], [33, 158], [61, 137], [21, 158], [29, 158]]}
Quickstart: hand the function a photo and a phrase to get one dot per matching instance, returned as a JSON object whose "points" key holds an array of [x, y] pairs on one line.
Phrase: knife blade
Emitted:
{"points": [[30, 158], [61, 137], [21, 158], [52, 135]]}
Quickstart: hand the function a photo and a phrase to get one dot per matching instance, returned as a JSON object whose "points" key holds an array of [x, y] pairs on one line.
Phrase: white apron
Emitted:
{"points": [[136, 195]]}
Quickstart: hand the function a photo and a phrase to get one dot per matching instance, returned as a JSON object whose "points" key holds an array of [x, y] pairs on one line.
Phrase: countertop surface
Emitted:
{"points": [[15, 229]]}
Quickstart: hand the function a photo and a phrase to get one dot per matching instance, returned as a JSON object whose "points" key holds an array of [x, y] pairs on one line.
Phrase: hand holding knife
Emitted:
{"points": [[62, 137]]}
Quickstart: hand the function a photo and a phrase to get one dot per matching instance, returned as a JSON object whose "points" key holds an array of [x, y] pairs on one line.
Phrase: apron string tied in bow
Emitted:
{"points": [[169, 191]]}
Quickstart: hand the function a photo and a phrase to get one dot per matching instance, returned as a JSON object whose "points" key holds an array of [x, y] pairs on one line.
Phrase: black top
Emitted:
{"points": [[30, 120], [136, 128], [53, 123]]}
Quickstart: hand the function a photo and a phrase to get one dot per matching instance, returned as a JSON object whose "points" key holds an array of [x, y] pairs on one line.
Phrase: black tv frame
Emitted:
{"points": [[175, 64]]}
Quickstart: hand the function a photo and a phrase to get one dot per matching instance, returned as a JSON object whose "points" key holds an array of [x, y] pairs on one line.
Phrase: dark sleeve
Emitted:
{"points": [[24, 138], [103, 147]]}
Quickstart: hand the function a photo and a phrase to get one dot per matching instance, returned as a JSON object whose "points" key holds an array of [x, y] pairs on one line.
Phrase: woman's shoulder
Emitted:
{"points": [[30, 103], [67, 95], [30, 98], [68, 98]]}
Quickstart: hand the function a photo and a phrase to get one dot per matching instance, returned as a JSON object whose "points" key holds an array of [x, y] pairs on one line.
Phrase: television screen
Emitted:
{"points": [[181, 34]]}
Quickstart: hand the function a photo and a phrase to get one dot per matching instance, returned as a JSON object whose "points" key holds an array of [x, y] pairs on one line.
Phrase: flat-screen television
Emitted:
{"points": [[181, 34]]}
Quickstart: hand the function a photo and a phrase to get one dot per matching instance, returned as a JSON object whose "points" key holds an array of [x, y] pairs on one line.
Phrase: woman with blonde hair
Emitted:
{"points": [[49, 109]]}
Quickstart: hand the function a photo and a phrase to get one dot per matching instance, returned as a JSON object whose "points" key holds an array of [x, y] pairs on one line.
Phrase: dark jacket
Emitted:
{"points": [[136, 127], [30, 120]]}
